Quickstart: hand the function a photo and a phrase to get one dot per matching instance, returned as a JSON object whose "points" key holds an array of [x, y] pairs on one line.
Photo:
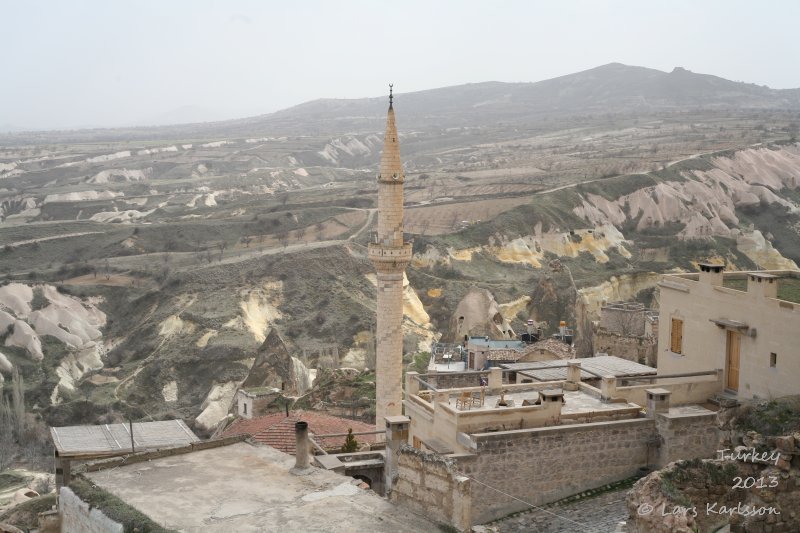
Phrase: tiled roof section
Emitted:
{"points": [[277, 429], [504, 355], [554, 346]]}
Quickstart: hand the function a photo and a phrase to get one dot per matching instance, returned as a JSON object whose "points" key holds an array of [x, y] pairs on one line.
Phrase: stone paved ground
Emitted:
{"points": [[599, 514]]}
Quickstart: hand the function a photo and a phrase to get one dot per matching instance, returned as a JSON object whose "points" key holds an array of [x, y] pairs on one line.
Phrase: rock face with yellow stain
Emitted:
{"points": [[260, 308], [531, 249], [759, 250]]}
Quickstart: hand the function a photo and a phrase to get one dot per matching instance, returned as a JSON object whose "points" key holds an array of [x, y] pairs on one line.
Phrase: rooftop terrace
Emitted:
{"points": [[788, 286]]}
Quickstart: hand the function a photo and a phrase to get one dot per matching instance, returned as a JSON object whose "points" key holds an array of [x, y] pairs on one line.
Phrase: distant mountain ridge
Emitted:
{"points": [[606, 89], [612, 87]]}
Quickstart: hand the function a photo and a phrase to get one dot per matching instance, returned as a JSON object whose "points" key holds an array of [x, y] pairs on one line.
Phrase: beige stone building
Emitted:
{"points": [[390, 254], [542, 431], [736, 322], [627, 330]]}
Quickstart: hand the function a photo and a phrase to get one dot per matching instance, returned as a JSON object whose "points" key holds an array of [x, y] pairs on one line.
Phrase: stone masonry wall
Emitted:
{"points": [[455, 380], [687, 437], [429, 485], [639, 349], [546, 464], [76, 515]]}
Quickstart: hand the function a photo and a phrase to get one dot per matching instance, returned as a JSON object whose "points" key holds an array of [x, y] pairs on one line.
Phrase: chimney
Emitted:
{"points": [[397, 429], [711, 273], [302, 459], [573, 376], [657, 401], [762, 285]]}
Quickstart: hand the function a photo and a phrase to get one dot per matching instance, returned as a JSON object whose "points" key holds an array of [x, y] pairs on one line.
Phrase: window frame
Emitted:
{"points": [[676, 341]]}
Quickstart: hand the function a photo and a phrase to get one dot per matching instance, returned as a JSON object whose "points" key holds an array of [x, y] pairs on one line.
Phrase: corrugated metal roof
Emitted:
{"points": [[604, 365], [109, 439]]}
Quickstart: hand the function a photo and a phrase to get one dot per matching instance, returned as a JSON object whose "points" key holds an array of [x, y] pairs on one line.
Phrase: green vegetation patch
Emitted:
{"points": [[114, 508], [614, 188], [684, 472], [9, 480], [779, 417]]}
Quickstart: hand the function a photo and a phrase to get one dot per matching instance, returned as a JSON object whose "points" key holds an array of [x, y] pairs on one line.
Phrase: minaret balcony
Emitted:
{"points": [[390, 257]]}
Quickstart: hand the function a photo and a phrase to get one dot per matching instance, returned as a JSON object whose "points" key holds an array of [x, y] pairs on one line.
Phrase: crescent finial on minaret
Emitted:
{"points": [[390, 94]]}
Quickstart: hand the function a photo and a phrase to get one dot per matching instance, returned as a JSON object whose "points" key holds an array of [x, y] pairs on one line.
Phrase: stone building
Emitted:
{"points": [[255, 402], [483, 352], [390, 254], [539, 432], [626, 318], [734, 322], [627, 330]]}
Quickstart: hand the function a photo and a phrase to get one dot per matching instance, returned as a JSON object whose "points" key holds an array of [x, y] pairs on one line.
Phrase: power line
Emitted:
{"points": [[582, 526]]}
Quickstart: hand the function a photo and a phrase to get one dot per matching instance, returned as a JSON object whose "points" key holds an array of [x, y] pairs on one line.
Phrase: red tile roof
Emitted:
{"points": [[277, 429]]}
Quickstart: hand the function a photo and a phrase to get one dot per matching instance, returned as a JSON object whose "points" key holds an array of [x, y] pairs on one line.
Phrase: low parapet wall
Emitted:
{"points": [[77, 515], [689, 390], [147, 456]]}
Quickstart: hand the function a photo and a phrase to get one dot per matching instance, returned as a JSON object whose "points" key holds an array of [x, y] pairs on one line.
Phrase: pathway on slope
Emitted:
{"points": [[297, 247], [52, 238]]}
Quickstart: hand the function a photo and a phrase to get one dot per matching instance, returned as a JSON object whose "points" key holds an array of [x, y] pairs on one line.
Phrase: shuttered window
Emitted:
{"points": [[676, 336]]}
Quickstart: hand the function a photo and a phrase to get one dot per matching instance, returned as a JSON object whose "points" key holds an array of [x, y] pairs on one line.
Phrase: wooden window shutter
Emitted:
{"points": [[676, 339]]}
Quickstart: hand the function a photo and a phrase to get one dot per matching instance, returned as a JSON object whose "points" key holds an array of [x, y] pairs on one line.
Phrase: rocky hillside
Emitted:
{"points": [[176, 339]]}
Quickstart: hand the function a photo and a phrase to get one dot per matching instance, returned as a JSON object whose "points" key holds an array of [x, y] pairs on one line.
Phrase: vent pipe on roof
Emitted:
{"points": [[302, 455]]}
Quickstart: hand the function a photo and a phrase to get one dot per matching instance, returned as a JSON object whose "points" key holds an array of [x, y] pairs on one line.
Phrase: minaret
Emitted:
{"points": [[390, 255]]}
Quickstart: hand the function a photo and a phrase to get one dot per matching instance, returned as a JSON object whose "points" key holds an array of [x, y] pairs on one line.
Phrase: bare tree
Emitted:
{"points": [[18, 402], [283, 237]]}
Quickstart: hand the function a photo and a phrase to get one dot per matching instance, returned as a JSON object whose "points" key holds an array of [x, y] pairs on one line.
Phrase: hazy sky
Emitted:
{"points": [[75, 63]]}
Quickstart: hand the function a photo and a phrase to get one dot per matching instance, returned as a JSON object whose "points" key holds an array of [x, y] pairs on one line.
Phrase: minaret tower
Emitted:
{"points": [[390, 254]]}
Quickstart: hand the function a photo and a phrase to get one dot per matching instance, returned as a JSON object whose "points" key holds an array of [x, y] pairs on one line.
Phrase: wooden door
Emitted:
{"points": [[732, 361]]}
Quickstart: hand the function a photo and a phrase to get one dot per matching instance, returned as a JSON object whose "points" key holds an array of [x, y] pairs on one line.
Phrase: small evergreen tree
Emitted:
{"points": [[350, 443]]}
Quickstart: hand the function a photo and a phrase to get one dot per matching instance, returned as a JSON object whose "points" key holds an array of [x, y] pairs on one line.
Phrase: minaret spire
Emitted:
{"points": [[390, 254]]}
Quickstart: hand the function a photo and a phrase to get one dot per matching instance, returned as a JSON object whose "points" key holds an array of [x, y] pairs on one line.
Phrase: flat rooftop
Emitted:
{"points": [[248, 488], [574, 402], [591, 367]]}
